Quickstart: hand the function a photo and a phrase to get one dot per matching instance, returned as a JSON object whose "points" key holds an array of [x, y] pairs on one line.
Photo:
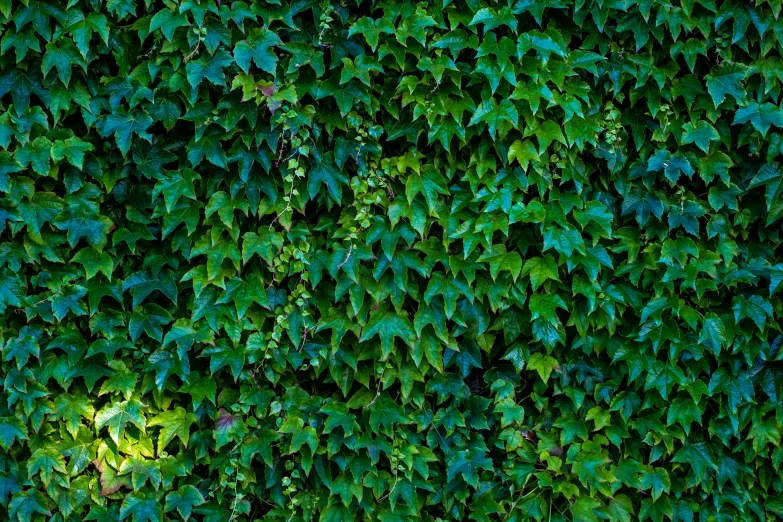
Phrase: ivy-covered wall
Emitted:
{"points": [[390, 261]]}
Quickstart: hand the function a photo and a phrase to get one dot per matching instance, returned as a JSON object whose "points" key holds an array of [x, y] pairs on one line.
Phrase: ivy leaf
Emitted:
{"points": [[762, 117], [257, 48], [657, 480], [684, 412], [524, 152], [451, 289], [45, 462], [83, 29], [726, 80], [80, 450], [36, 153], [11, 291], [388, 325], [701, 133], [68, 299], [143, 508], [208, 146], [756, 308], [673, 165], [540, 269], [266, 243], [25, 504], [493, 19], [149, 320], [21, 348], [72, 149], [584, 509], [11, 429], [548, 132], [324, 171], [501, 260], [61, 55], [123, 125], [93, 262], [371, 29], [543, 364], [468, 464], [716, 164], [184, 500], [698, 456], [71, 408], [167, 21], [141, 470], [175, 423], [81, 222], [494, 114], [179, 184], [142, 284], [209, 68], [117, 415]]}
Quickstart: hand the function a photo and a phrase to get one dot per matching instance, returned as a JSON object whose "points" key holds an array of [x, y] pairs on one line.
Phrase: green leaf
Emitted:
{"points": [[143, 508], [68, 300], [584, 509], [469, 463], [698, 456], [673, 165], [177, 185], [266, 243], [184, 500], [257, 48], [167, 21], [657, 480], [548, 132], [524, 152], [543, 364], [501, 260], [208, 146], [762, 117], [45, 462], [494, 114], [210, 68], [387, 326], [36, 153], [540, 269], [701, 133], [11, 429], [684, 412], [61, 55], [72, 149], [80, 451], [123, 125], [21, 348], [24, 505], [756, 308], [94, 262], [371, 30], [142, 284], [71, 408], [324, 171], [726, 80], [149, 320], [83, 29], [713, 333], [175, 423], [117, 415]]}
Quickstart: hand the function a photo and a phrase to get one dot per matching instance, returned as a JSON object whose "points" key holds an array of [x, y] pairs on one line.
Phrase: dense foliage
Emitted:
{"points": [[391, 261]]}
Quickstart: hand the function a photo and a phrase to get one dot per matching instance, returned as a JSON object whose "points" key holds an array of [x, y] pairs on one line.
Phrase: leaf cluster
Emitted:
{"points": [[312, 260]]}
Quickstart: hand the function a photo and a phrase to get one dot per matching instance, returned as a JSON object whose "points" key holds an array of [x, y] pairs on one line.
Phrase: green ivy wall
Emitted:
{"points": [[391, 261]]}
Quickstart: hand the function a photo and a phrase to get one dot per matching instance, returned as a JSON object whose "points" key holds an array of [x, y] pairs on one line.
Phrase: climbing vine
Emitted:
{"points": [[390, 261]]}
